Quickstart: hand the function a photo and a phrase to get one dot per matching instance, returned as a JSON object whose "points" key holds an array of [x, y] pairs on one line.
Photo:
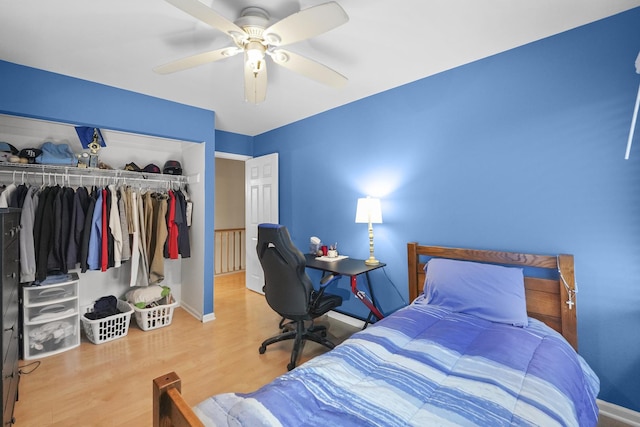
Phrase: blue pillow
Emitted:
{"points": [[491, 292]]}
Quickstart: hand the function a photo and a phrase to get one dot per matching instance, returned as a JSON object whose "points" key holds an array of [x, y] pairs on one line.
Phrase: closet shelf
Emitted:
{"points": [[87, 176]]}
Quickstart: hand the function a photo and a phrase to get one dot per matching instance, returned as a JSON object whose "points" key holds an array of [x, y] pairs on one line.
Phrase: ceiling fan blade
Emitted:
{"points": [[209, 16], [306, 24], [255, 83], [195, 60], [309, 68]]}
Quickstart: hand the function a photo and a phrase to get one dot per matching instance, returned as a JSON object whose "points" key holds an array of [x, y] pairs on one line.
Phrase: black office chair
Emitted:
{"points": [[290, 292]]}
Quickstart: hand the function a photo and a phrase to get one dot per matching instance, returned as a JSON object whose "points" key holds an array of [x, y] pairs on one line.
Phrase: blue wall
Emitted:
{"points": [[34, 93], [229, 142], [521, 151]]}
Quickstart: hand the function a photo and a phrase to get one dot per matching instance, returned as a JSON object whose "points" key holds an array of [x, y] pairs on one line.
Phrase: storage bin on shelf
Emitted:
{"points": [[155, 317], [109, 328]]}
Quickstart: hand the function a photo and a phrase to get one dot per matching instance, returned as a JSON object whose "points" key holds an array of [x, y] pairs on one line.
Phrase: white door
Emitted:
{"points": [[261, 197]]}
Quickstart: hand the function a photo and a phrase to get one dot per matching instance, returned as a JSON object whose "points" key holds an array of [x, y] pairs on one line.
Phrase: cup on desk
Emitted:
{"points": [[332, 253], [325, 249]]}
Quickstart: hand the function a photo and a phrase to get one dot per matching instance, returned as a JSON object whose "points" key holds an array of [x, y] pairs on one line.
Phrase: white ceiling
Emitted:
{"points": [[385, 44]]}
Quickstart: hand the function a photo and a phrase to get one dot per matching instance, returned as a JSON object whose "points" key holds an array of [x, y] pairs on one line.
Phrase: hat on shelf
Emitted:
{"points": [[172, 167], [8, 148], [29, 154], [7, 152], [151, 168], [132, 167]]}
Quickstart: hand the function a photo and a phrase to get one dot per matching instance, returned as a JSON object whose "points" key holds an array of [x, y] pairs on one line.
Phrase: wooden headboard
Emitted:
{"points": [[547, 299]]}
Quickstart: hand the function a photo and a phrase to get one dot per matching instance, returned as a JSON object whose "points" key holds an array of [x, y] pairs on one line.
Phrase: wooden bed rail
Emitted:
{"points": [[169, 408]]}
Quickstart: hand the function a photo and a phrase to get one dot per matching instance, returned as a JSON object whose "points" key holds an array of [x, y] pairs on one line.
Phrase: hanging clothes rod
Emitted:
{"points": [[19, 171]]}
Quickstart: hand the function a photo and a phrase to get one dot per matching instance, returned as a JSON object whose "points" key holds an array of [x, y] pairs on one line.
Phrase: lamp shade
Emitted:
{"points": [[369, 210]]}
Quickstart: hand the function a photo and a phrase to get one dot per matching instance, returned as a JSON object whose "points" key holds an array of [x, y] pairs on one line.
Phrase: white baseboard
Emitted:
{"points": [[609, 411], [188, 309], [208, 317], [196, 314], [346, 319]]}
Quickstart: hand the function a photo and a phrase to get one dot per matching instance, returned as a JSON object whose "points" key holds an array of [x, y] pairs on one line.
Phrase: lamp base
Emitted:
{"points": [[371, 261]]}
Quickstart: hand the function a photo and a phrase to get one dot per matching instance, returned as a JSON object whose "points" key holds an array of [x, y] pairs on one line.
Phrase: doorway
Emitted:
{"points": [[229, 220]]}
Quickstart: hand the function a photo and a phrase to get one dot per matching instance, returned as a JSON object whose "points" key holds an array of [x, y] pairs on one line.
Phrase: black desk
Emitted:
{"points": [[351, 267]]}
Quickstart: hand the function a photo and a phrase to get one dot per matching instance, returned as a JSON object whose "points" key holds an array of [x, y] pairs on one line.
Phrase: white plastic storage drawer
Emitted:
{"points": [[50, 293], [48, 312], [46, 339]]}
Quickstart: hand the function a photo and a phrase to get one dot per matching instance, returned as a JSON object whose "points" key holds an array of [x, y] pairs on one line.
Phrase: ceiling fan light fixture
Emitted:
{"points": [[255, 55], [231, 51], [238, 37], [272, 39], [279, 57]]}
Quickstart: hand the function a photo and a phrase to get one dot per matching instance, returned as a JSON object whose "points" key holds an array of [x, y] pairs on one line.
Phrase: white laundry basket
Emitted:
{"points": [[155, 317], [99, 331]]}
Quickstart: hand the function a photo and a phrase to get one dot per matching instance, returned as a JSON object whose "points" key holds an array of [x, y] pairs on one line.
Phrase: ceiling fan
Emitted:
{"points": [[253, 36]]}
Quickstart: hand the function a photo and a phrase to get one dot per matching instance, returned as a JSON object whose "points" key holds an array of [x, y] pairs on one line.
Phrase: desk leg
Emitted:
{"points": [[373, 301], [362, 296]]}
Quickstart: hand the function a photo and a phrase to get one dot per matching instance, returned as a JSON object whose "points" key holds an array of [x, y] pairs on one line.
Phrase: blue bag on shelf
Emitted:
{"points": [[56, 154]]}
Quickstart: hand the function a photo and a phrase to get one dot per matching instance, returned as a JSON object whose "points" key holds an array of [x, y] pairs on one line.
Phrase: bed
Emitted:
{"points": [[489, 339]]}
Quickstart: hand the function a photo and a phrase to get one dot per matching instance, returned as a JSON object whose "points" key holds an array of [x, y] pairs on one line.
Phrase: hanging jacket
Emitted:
{"points": [[104, 231], [67, 196], [159, 237], [27, 248], [78, 213], [53, 263], [115, 227], [46, 230], [94, 255], [18, 196], [86, 231], [171, 247], [124, 224], [5, 196], [132, 218], [184, 241], [143, 267]]}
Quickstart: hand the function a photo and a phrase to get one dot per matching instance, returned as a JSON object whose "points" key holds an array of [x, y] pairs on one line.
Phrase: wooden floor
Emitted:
{"points": [[110, 384]]}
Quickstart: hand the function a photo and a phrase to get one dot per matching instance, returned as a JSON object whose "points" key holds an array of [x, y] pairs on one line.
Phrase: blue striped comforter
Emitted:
{"points": [[426, 366]]}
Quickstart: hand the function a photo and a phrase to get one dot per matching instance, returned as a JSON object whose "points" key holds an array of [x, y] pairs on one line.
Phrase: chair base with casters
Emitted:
{"points": [[316, 333], [321, 304]]}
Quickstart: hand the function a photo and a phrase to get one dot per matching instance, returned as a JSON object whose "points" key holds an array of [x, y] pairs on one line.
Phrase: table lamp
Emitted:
{"points": [[368, 211]]}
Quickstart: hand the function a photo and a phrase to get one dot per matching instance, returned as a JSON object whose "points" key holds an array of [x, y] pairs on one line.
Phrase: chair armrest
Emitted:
{"points": [[324, 282], [329, 278]]}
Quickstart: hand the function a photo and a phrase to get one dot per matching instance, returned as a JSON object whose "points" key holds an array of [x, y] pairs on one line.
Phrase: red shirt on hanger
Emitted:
{"points": [[104, 255], [172, 239]]}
